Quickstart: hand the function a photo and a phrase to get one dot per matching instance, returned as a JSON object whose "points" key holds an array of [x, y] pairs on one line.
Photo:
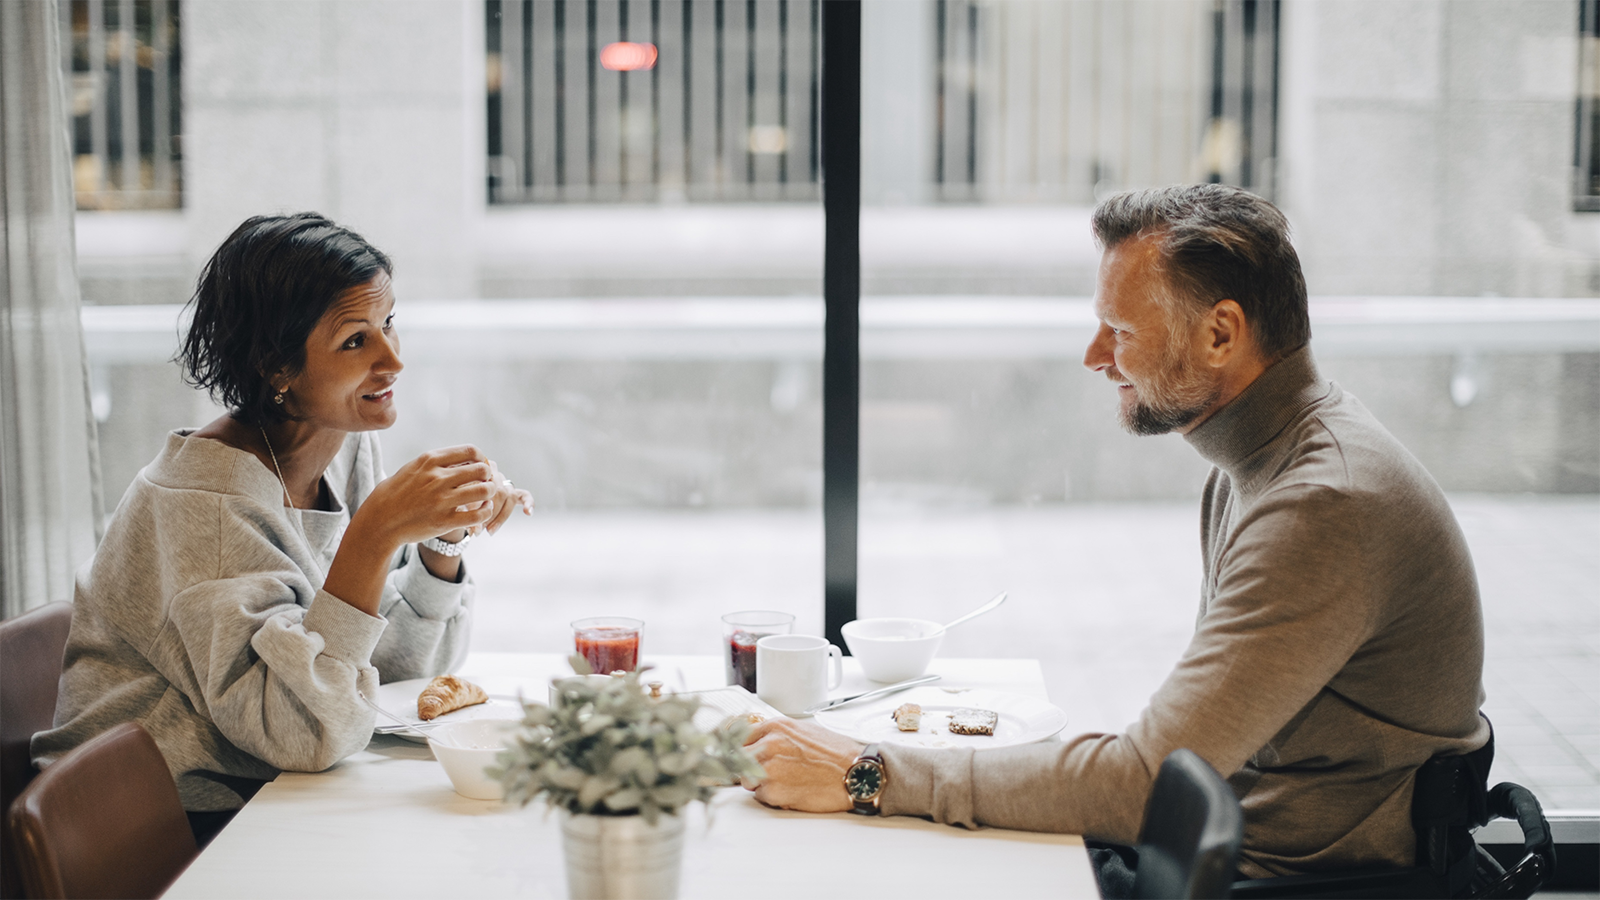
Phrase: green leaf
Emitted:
{"points": [[596, 788], [624, 800], [634, 761], [672, 795], [671, 712], [675, 764], [580, 665], [596, 724], [556, 775]]}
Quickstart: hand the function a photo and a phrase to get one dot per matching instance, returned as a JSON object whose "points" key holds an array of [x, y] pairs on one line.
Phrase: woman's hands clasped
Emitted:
{"points": [[442, 493], [445, 493]]}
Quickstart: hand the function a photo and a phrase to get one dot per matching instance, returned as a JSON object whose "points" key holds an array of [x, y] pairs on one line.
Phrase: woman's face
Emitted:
{"points": [[352, 361]]}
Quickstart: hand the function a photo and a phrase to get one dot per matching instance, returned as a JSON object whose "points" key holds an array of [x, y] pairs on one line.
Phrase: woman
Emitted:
{"points": [[261, 574]]}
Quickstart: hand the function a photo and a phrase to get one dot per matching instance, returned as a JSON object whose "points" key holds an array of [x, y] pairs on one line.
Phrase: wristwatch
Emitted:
{"points": [[865, 779], [445, 548]]}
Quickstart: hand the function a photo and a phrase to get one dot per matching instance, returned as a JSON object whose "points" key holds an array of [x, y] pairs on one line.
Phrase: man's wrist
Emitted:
{"points": [[865, 780]]}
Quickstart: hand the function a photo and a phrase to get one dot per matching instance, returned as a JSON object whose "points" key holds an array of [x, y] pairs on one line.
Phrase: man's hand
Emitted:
{"points": [[805, 765]]}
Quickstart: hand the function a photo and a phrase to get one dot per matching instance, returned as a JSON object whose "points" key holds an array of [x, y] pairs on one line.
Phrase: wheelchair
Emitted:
{"points": [[1451, 798]]}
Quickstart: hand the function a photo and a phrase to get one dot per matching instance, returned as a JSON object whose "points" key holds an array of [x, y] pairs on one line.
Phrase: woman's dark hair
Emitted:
{"points": [[1219, 243], [257, 301]]}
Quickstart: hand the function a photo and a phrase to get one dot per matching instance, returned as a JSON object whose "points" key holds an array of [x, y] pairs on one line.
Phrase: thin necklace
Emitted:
{"points": [[275, 467], [298, 524]]}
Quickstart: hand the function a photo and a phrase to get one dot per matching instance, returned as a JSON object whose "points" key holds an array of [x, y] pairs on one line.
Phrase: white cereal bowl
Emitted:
{"points": [[465, 749], [891, 649]]}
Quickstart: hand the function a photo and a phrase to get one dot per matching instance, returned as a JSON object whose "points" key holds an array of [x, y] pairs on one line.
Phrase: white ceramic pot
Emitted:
{"points": [[622, 857]]}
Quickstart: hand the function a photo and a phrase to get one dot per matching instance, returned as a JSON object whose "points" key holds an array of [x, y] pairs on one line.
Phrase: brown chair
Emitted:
{"points": [[31, 647], [104, 820]]}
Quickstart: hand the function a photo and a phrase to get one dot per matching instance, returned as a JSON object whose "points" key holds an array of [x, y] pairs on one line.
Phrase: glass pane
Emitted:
{"points": [[991, 460], [608, 266]]}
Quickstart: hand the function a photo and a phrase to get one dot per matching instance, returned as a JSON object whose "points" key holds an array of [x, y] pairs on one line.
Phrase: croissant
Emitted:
{"points": [[447, 693]]}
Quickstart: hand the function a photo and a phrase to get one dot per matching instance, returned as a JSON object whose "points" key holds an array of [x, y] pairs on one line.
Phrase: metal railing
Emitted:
{"points": [[728, 111], [122, 60], [984, 328]]}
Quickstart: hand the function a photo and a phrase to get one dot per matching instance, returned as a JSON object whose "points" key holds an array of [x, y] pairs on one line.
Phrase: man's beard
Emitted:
{"points": [[1178, 395]]}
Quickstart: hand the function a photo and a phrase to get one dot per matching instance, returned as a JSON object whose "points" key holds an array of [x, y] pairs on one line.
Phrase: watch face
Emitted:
{"points": [[864, 780]]}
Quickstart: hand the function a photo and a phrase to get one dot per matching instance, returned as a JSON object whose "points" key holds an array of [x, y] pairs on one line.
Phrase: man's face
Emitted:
{"points": [[1151, 354]]}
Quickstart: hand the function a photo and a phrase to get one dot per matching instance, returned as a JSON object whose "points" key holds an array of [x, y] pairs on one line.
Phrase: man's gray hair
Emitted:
{"points": [[1219, 243]]}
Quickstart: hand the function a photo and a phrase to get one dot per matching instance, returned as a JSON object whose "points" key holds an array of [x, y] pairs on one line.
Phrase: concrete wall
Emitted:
{"points": [[367, 111], [1428, 147]]}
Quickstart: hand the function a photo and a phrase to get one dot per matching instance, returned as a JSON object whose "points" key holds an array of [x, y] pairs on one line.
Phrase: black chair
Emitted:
{"points": [[1452, 796], [1191, 835], [31, 648], [104, 820]]}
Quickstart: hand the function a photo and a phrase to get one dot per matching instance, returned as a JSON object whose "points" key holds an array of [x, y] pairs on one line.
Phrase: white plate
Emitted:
{"points": [[1023, 719], [400, 698]]}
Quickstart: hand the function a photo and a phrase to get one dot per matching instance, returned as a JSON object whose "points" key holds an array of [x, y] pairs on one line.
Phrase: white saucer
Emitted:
{"points": [[1023, 719], [400, 698]]}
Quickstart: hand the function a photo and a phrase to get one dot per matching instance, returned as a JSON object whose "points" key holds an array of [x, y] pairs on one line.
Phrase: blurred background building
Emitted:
{"points": [[1421, 149], [609, 272]]}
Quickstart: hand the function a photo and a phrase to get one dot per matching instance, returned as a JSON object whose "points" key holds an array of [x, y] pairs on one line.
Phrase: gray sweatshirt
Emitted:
{"points": [[202, 617], [1339, 646]]}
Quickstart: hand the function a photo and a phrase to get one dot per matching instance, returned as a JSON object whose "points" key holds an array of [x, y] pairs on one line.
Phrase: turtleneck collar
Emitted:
{"points": [[1261, 412]]}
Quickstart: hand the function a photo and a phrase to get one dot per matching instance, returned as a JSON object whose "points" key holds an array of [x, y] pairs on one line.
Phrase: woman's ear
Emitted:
{"points": [[278, 382]]}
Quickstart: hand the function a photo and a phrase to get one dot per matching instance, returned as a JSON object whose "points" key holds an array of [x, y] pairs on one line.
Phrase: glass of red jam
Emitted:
{"points": [[740, 631], [609, 643]]}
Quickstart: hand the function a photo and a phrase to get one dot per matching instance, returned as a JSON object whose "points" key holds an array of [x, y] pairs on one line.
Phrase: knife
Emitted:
{"points": [[876, 692]]}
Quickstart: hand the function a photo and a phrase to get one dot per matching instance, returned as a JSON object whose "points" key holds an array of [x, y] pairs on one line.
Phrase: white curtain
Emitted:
{"points": [[49, 458]]}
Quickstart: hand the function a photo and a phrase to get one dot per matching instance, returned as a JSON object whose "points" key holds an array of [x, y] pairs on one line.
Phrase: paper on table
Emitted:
{"points": [[718, 704]]}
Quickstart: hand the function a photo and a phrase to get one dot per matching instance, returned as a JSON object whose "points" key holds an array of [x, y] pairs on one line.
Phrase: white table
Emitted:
{"points": [[386, 823]]}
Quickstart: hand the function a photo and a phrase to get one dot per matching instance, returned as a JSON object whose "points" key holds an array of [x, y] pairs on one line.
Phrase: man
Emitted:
{"points": [[1339, 643]]}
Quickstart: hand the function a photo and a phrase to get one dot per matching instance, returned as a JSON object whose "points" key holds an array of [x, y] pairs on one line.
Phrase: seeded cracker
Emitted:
{"points": [[973, 721]]}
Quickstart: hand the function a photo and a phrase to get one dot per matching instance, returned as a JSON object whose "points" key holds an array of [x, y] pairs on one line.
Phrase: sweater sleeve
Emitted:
{"points": [[1289, 608], [279, 680], [430, 620]]}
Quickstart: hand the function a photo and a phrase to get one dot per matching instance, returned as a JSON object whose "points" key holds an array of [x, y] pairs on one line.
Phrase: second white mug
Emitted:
{"points": [[795, 671]]}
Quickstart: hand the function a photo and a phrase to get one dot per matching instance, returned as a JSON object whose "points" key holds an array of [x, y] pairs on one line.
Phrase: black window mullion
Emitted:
{"points": [[840, 124]]}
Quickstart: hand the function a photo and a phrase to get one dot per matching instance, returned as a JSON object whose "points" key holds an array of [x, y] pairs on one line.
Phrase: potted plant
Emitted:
{"points": [[621, 766]]}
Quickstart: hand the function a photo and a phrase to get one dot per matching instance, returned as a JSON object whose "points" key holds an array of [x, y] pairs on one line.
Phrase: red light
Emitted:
{"points": [[625, 56]]}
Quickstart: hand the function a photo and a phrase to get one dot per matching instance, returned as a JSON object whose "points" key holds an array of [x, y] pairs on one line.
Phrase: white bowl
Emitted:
{"points": [[465, 749], [893, 650]]}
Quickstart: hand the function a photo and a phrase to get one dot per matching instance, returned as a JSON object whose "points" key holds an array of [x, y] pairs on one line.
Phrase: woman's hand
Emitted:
{"points": [[439, 492], [507, 497]]}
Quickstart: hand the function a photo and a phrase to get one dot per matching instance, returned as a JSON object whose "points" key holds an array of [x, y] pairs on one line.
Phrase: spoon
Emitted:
{"points": [[974, 614]]}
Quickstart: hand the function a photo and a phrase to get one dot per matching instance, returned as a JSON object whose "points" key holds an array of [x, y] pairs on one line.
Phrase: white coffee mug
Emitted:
{"points": [[792, 671]]}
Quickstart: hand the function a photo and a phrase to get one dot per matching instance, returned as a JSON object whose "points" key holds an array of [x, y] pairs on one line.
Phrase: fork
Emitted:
{"points": [[403, 724]]}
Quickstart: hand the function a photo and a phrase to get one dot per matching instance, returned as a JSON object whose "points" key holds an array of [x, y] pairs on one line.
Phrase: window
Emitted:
{"points": [[122, 59], [614, 289], [722, 107]]}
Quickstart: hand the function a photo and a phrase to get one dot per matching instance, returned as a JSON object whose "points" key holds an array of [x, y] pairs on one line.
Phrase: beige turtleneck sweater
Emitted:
{"points": [[1339, 646]]}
